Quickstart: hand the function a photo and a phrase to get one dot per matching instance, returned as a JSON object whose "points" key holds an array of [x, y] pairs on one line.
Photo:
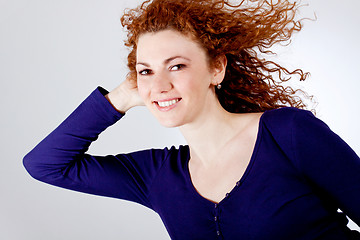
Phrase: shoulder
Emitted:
{"points": [[286, 118], [290, 125], [286, 113]]}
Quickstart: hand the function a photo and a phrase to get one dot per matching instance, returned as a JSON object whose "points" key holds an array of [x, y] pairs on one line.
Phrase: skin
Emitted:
{"points": [[173, 68]]}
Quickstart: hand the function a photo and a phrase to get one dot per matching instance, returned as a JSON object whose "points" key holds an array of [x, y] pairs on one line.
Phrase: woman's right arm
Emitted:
{"points": [[60, 159], [125, 96]]}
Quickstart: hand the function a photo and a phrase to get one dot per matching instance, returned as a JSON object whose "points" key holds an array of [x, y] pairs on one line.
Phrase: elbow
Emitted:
{"points": [[31, 166], [28, 164], [42, 167]]}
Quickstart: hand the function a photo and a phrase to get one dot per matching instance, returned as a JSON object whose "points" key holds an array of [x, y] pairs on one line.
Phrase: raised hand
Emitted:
{"points": [[125, 96]]}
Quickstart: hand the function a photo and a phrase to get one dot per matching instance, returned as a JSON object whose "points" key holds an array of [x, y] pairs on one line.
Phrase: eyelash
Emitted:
{"points": [[148, 71], [145, 70], [180, 66]]}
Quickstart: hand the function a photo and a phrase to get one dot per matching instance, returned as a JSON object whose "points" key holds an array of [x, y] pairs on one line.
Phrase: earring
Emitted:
{"points": [[218, 86]]}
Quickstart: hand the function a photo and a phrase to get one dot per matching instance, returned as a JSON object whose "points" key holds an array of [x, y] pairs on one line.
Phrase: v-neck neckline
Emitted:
{"points": [[236, 184]]}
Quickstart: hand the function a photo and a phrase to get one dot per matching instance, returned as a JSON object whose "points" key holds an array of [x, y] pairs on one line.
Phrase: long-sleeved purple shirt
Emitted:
{"points": [[299, 174]]}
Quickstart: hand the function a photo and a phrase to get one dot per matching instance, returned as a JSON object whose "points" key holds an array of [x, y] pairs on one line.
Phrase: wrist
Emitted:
{"points": [[118, 100]]}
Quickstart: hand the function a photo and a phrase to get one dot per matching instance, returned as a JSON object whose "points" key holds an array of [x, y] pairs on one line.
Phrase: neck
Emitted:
{"points": [[208, 135]]}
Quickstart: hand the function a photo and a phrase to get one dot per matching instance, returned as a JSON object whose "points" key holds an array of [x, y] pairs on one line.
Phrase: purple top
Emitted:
{"points": [[299, 174]]}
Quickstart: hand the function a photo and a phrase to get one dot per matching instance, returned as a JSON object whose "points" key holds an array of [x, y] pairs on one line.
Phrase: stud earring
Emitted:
{"points": [[218, 86]]}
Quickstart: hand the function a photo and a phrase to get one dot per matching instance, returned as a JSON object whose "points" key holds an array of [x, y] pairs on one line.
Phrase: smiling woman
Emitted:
{"points": [[176, 83], [256, 164]]}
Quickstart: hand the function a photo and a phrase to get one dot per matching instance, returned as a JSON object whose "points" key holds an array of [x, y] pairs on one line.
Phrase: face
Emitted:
{"points": [[174, 79]]}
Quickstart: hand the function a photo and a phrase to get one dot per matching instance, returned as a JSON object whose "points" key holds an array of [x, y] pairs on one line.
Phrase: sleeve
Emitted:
{"points": [[61, 160], [327, 161]]}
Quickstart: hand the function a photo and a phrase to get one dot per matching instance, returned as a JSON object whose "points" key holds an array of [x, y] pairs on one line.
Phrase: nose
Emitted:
{"points": [[161, 83]]}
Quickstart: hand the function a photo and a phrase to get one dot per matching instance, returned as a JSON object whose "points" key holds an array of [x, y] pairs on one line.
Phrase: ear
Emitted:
{"points": [[219, 69]]}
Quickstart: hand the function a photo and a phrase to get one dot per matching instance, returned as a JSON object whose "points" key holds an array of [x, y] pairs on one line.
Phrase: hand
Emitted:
{"points": [[125, 96]]}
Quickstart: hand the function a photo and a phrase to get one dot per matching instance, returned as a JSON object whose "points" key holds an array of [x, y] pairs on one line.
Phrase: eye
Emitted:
{"points": [[177, 67], [145, 72]]}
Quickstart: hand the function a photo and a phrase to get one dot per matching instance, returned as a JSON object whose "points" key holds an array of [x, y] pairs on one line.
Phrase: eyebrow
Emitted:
{"points": [[165, 62]]}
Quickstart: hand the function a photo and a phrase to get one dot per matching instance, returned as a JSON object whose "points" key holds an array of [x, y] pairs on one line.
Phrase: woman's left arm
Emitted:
{"points": [[327, 161]]}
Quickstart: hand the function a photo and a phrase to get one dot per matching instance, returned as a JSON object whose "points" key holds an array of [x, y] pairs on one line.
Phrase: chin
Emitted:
{"points": [[168, 120], [169, 123]]}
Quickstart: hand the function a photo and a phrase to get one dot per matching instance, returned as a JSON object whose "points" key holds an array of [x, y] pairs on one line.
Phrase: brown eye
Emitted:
{"points": [[177, 67], [145, 72]]}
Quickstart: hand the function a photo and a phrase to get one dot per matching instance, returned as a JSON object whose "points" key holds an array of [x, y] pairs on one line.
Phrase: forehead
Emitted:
{"points": [[165, 44]]}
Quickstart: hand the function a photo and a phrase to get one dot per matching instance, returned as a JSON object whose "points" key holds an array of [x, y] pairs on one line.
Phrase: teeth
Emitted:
{"points": [[168, 103]]}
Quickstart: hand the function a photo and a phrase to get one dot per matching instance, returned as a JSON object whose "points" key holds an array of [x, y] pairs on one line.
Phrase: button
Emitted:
{"points": [[238, 183], [218, 233], [215, 205], [215, 218], [227, 195]]}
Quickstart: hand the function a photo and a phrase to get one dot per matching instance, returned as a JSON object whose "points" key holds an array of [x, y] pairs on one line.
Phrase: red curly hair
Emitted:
{"points": [[240, 32]]}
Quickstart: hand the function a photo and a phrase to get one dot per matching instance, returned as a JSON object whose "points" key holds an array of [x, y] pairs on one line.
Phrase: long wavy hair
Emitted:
{"points": [[243, 32]]}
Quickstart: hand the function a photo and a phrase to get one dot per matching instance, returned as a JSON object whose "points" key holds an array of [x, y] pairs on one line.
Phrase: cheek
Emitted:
{"points": [[199, 81], [143, 89]]}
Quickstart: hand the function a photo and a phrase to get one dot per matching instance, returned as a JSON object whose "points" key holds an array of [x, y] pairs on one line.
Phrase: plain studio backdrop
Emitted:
{"points": [[54, 53]]}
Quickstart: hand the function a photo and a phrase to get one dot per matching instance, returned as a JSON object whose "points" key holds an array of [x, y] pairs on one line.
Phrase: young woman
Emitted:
{"points": [[256, 165]]}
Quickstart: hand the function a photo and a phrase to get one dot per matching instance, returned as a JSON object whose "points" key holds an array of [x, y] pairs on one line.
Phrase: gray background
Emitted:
{"points": [[54, 53]]}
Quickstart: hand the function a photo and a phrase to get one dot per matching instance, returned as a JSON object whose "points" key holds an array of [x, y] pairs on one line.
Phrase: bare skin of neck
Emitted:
{"points": [[221, 145], [210, 134]]}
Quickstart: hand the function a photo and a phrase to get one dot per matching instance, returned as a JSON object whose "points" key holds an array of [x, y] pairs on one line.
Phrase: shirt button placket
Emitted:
{"points": [[216, 219]]}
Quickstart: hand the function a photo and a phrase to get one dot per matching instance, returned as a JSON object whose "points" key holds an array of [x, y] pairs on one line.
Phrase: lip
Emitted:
{"points": [[167, 108]]}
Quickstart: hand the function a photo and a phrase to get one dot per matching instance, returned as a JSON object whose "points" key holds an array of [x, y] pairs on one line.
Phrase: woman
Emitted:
{"points": [[256, 166]]}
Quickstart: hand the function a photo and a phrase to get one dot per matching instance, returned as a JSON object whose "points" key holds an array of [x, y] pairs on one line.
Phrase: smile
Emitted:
{"points": [[167, 103]]}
